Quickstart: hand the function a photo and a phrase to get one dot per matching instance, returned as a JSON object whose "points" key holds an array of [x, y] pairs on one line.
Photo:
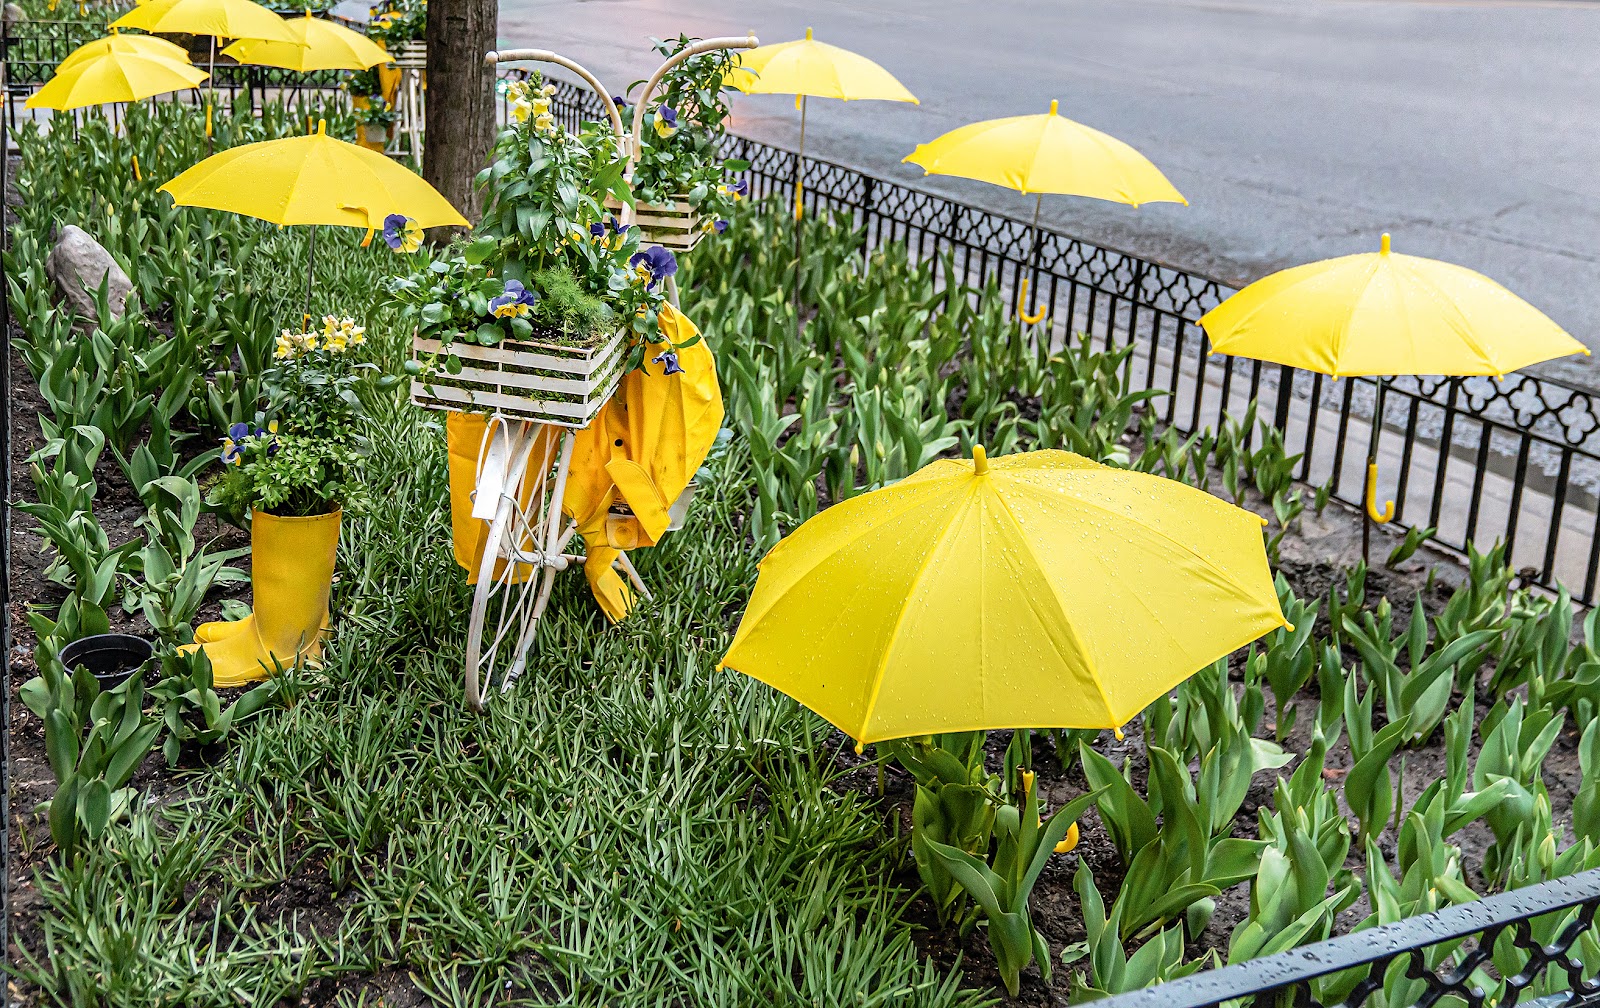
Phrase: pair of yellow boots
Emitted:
{"points": [[291, 574]]}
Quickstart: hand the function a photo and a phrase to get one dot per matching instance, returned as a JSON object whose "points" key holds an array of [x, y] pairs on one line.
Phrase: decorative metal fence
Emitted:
{"points": [[1479, 460], [1519, 947]]}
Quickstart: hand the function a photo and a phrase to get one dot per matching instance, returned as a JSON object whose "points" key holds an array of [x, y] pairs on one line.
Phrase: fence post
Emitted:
{"points": [[1280, 417]]}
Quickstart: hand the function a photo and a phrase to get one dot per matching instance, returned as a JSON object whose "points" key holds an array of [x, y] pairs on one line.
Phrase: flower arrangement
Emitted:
{"points": [[545, 227], [681, 152], [378, 113], [299, 457], [396, 22]]}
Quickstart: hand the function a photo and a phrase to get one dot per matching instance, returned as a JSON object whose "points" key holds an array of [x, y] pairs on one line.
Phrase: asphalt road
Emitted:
{"points": [[1298, 129]]}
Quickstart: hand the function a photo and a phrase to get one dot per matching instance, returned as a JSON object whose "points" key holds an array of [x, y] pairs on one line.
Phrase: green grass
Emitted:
{"points": [[628, 826]]}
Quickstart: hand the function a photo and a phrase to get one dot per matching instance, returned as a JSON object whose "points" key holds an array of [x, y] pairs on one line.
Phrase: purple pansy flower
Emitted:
{"points": [[654, 264], [669, 362], [514, 301], [666, 120], [720, 226], [401, 233], [613, 227]]}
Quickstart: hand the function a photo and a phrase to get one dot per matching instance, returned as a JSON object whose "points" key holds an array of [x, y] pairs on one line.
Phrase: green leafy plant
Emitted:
{"points": [[681, 152], [190, 709], [91, 769], [955, 806], [1023, 843], [1111, 970]]}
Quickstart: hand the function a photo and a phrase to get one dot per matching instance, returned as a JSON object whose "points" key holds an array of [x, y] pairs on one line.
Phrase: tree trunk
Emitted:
{"points": [[460, 99]]}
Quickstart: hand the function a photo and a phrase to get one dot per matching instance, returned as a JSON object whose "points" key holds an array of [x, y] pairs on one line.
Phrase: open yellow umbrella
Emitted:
{"points": [[319, 44], [314, 179], [224, 18], [807, 68], [138, 45], [1031, 590], [113, 76], [1046, 153], [1380, 314]]}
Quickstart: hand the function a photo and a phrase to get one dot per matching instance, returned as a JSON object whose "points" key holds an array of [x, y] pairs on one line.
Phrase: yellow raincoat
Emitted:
{"points": [[640, 451]]}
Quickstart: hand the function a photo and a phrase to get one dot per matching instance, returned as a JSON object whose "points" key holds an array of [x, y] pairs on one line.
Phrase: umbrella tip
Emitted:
{"points": [[1118, 733], [322, 127], [1288, 626], [808, 34], [1054, 104], [980, 460], [1383, 244], [861, 747]]}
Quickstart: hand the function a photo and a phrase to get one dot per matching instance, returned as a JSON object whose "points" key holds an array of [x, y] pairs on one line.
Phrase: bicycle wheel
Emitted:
{"points": [[522, 477]]}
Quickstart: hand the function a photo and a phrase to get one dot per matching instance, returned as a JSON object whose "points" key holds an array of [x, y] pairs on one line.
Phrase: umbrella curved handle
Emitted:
{"points": [[1385, 516], [1032, 318]]}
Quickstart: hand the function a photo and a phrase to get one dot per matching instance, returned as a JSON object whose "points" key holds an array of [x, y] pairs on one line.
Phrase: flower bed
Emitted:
{"points": [[634, 826]]}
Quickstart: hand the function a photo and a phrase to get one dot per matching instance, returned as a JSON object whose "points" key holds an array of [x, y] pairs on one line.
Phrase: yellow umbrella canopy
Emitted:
{"points": [[218, 18], [808, 68], [1383, 313], [138, 45], [1031, 590], [319, 44], [113, 76], [314, 179], [1041, 154], [1047, 153]]}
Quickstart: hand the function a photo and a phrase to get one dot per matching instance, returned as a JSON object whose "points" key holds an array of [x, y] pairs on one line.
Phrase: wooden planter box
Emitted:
{"points": [[674, 226], [545, 382], [412, 55]]}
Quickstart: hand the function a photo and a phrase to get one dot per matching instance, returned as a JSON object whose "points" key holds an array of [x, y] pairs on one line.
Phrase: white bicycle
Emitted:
{"points": [[523, 464]]}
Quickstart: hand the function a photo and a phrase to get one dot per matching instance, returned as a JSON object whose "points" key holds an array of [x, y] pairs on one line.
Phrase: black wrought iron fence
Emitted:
{"points": [[1479, 460], [1527, 946]]}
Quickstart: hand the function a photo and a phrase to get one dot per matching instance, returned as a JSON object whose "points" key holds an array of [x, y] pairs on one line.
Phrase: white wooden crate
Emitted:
{"points": [[674, 226], [546, 382]]}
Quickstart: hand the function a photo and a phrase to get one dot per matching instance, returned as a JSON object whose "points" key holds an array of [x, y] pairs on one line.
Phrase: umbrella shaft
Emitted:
{"points": [[311, 259]]}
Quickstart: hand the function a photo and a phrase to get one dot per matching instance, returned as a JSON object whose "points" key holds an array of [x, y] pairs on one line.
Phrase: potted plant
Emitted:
{"points": [[552, 299], [400, 26], [293, 471], [377, 123], [681, 181]]}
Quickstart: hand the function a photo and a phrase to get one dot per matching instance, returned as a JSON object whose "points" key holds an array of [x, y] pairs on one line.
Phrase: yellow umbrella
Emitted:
{"points": [[225, 18], [319, 44], [1046, 154], [138, 45], [313, 179], [1379, 314], [113, 76], [807, 68], [1032, 590]]}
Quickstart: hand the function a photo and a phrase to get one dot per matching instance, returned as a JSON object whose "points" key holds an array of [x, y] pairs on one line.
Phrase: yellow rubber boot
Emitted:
{"points": [[291, 574]]}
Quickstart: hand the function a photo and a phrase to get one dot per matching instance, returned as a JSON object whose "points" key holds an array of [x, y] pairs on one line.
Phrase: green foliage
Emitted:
{"points": [[1111, 970], [1023, 843], [190, 709], [686, 159], [95, 739], [567, 311], [955, 806]]}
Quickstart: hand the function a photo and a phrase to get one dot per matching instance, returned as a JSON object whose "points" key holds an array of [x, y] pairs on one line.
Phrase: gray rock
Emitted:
{"points": [[13, 14], [77, 265]]}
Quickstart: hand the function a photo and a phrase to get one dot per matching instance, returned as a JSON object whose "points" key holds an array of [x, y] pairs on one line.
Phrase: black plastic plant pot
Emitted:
{"points": [[111, 658]]}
